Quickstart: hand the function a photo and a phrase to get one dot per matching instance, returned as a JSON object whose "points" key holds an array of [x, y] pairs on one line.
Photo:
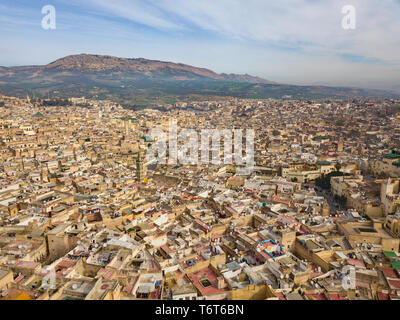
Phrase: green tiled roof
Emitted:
{"points": [[393, 155], [390, 254], [323, 163], [396, 163], [320, 138], [126, 119], [396, 265]]}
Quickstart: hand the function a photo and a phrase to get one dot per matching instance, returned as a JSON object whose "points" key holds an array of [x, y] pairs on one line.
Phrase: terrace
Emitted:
{"points": [[205, 280]]}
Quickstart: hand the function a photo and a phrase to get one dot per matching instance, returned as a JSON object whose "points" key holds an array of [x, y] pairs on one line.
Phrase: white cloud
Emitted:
{"points": [[143, 12], [297, 41], [309, 25]]}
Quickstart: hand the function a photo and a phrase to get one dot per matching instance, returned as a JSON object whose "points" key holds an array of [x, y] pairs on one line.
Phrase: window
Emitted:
{"points": [[205, 283]]}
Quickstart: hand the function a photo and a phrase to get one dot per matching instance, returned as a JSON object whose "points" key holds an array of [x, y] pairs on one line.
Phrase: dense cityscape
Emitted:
{"points": [[85, 216], [199, 159]]}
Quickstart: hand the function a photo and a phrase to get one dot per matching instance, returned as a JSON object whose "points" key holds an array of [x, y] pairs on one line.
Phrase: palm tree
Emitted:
{"points": [[338, 166]]}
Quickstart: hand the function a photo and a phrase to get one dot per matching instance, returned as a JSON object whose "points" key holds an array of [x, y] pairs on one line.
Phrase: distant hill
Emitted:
{"points": [[142, 81], [141, 68]]}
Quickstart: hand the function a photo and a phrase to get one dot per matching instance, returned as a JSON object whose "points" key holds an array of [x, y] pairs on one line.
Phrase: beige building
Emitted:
{"points": [[390, 196], [369, 233], [6, 277]]}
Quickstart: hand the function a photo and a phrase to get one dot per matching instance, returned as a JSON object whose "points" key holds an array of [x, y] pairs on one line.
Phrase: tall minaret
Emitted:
{"points": [[44, 175], [139, 168], [340, 145], [126, 128]]}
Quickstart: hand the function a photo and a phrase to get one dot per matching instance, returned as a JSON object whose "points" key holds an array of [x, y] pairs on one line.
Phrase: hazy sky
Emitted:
{"points": [[291, 41]]}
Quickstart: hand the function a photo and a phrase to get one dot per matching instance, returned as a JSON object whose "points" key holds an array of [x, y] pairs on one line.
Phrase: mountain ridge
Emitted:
{"points": [[139, 81], [140, 66]]}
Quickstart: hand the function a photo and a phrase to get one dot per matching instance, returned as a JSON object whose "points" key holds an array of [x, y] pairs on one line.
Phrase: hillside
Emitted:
{"points": [[141, 81]]}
